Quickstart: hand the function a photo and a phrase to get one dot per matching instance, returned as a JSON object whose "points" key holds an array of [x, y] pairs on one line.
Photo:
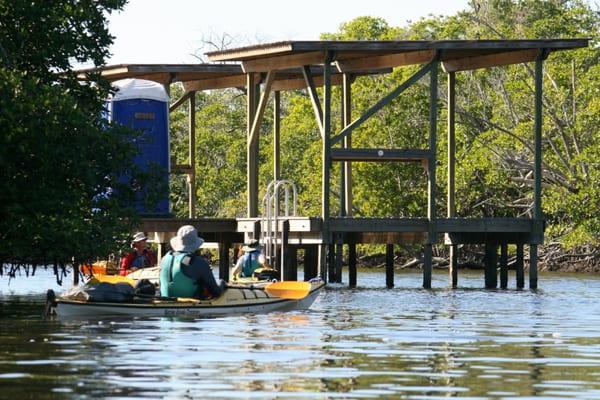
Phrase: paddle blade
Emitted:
{"points": [[112, 279], [288, 289]]}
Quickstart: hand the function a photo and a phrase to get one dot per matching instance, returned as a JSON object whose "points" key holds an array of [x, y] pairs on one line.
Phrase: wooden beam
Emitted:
{"points": [[381, 103], [216, 83], [262, 104], [379, 155], [300, 83], [283, 62], [314, 97], [180, 101], [490, 60], [377, 224], [385, 61], [485, 225]]}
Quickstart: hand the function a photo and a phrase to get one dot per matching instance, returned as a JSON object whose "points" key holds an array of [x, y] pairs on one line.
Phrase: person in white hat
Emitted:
{"points": [[141, 256], [250, 261], [183, 273]]}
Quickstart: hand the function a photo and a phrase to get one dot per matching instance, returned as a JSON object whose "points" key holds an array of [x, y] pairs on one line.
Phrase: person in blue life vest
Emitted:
{"points": [[250, 261], [183, 273]]}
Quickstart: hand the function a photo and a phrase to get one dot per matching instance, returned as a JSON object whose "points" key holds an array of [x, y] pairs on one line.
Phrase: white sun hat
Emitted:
{"points": [[187, 240], [138, 237]]}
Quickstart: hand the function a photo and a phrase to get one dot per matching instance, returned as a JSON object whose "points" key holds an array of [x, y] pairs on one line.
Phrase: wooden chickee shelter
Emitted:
{"points": [[307, 64]]}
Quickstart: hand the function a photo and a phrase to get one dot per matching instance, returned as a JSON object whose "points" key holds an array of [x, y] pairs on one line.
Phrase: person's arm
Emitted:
{"points": [[126, 264], [237, 270], [200, 271]]}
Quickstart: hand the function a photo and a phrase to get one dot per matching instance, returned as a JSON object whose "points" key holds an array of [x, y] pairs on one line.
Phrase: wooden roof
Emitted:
{"points": [[357, 56], [211, 76]]}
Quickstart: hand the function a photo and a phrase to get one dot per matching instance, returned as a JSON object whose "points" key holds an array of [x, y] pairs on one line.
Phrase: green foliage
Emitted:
{"points": [[62, 192]]}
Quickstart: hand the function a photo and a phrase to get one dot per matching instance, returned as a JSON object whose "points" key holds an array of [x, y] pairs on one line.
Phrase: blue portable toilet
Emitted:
{"points": [[144, 106]]}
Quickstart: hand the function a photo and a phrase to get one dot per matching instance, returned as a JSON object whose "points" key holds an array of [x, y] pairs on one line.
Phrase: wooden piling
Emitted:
{"points": [[533, 260], [224, 261], [427, 266], [504, 265], [352, 264], [453, 267], [310, 262], [339, 260], [291, 263], [519, 263], [491, 266], [331, 262], [389, 265]]}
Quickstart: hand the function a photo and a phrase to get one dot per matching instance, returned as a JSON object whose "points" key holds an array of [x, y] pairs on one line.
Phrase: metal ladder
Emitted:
{"points": [[271, 234]]}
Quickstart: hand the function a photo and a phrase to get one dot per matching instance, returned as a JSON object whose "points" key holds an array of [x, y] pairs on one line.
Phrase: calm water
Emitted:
{"points": [[364, 343]]}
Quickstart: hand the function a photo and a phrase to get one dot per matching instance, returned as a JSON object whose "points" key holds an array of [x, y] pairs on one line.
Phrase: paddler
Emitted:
{"points": [[183, 273]]}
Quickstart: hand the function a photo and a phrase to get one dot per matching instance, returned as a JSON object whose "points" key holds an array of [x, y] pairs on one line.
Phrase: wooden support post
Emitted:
{"points": [[352, 264], [310, 262], [427, 265], [256, 230], [252, 149], [519, 263], [431, 170], [224, 261], [503, 265], [331, 262], [285, 249], [326, 148], [533, 260], [276, 133], [453, 267], [322, 261], [291, 261], [538, 230], [347, 165], [450, 203], [339, 260], [192, 156], [451, 146], [389, 266], [491, 266]]}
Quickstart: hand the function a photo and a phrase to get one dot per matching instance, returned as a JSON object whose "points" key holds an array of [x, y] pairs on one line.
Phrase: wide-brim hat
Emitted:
{"points": [[138, 237], [253, 245], [187, 240]]}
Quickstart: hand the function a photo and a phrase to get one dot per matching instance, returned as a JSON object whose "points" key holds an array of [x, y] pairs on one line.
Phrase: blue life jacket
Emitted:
{"points": [[250, 263]]}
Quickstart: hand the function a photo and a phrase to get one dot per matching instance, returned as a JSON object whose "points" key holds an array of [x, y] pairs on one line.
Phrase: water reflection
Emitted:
{"points": [[361, 343]]}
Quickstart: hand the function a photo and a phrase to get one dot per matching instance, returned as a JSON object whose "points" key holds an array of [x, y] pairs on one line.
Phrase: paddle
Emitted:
{"points": [[292, 290]]}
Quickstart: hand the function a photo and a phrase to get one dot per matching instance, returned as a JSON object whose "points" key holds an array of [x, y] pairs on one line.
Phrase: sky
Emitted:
{"points": [[172, 31]]}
